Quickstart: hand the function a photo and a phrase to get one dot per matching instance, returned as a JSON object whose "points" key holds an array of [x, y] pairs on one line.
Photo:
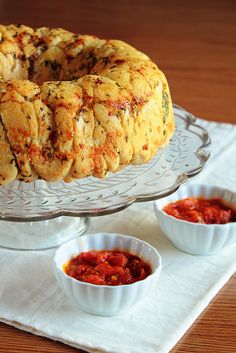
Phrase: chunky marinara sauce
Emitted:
{"points": [[200, 210], [107, 267]]}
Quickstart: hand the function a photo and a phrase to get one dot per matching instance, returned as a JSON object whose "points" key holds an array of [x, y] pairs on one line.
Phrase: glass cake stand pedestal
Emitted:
{"points": [[43, 215]]}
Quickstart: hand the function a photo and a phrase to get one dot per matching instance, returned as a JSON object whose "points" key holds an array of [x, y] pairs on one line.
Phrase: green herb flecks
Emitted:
{"points": [[165, 106]]}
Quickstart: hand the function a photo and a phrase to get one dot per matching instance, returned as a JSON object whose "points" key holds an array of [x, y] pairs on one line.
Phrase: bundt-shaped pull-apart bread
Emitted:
{"points": [[73, 106]]}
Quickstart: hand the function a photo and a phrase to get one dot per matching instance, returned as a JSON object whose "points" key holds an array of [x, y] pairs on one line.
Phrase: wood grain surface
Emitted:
{"points": [[194, 43]]}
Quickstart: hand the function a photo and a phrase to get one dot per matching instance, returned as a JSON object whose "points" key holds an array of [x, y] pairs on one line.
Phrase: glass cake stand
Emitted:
{"points": [[42, 215]]}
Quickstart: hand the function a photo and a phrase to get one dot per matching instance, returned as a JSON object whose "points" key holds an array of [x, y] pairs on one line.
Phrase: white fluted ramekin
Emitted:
{"points": [[106, 300], [196, 238]]}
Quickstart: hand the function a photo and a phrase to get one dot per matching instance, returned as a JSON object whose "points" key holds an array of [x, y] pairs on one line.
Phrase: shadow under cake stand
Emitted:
{"points": [[43, 215]]}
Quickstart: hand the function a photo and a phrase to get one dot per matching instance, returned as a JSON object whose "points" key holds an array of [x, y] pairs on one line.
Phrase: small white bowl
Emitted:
{"points": [[196, 238], [106, 300]]}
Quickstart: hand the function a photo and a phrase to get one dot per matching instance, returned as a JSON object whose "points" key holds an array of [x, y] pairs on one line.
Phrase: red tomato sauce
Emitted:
{"points": [[107, 267], [200, 210]]}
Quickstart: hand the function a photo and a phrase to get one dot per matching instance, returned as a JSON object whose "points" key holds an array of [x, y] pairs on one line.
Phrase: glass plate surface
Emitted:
{"points": [[184, 157]]}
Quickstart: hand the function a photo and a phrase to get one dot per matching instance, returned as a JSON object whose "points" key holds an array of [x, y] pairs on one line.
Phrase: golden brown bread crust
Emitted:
{"points": [[73, 105]]}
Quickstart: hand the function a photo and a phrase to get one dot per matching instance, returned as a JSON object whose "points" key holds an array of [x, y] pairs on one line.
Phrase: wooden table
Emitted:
{"points": [[194, 43]]}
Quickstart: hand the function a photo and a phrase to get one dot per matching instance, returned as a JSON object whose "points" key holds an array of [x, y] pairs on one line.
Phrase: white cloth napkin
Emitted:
{"points": [[31, 299]]}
